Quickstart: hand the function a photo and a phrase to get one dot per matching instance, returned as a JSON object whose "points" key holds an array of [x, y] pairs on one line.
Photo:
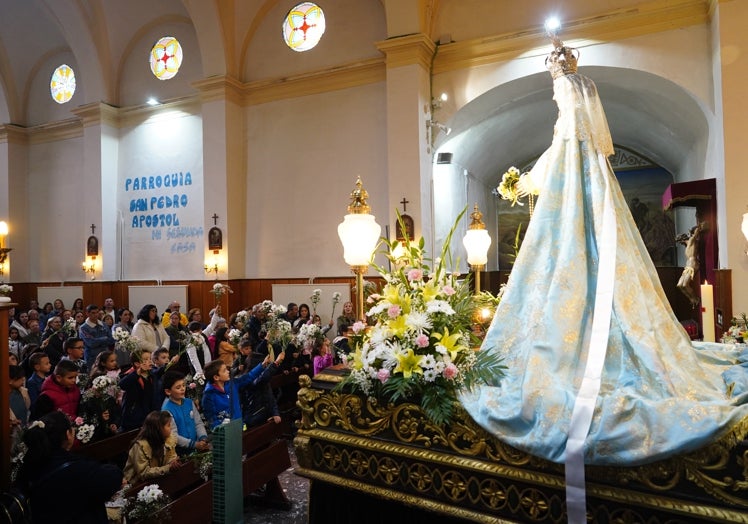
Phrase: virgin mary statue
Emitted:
{"points": [[600, 371]]}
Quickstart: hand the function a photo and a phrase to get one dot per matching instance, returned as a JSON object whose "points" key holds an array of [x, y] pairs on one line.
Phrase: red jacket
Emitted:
{"points": [[66, 400]]}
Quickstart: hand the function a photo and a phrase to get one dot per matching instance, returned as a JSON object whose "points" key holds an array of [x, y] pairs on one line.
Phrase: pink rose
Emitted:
{"points": [[448, 290], [415, 274], [383, 375], [193, 385], [422, 341], [78, 421], [450, 371], [358, 326], [393, 311]]}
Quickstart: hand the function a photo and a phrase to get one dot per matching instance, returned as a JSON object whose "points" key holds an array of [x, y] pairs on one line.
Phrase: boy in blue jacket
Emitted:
{"points": [[221, 395], [186, 423]]}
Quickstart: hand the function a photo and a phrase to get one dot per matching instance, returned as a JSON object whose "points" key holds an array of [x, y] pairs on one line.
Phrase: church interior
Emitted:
{"points": [[165, 147]]}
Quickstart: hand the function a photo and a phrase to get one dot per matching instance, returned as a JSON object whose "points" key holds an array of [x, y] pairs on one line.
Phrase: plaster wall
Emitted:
{"points": [[304, 156]]}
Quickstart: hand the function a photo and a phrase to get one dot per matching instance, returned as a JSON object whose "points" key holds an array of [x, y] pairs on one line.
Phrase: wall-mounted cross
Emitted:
{"points": [[215, 219], [93, 228], [404, 202]]}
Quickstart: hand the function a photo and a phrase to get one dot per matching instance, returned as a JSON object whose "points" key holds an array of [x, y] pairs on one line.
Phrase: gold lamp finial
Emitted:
{"points": [[476, 219], [358, 205]]}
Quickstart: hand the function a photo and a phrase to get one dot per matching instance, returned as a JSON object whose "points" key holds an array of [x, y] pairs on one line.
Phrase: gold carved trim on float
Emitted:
{"points": [[396, 448], [642, 19]]}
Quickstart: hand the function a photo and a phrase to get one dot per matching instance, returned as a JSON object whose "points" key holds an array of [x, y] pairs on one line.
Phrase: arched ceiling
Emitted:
{"points": [[513, 123]]}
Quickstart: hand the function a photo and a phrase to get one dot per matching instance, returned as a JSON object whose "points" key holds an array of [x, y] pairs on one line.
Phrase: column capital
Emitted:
{"points": [[407, 50], [220, 88], [97, 113], [11, 133]]}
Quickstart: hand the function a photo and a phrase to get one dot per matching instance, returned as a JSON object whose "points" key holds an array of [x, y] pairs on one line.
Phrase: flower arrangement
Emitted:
{"points": [[422, 344], [316, 295], [101, 397], [5, 289], [737, 332], [149, 505], [84, 431], [507, 189], [194, 386], [218, 290], [124, 339], [203, 462], [242, 317], [234, 336], [69, 328], [278, 329], [308, 335]]}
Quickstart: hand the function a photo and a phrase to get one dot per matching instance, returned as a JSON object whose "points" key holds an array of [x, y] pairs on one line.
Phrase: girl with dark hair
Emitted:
{"points": [[105, 364], [149, 331], [153, 452], [225, 350], [304, 318], [53, 477]]}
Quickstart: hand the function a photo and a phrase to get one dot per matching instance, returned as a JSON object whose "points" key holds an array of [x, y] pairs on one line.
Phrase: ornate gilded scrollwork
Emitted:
{"points": [[396, 446]]}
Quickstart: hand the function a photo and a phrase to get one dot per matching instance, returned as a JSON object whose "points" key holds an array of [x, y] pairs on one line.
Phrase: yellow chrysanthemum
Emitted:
{"points": [[408, 363], [450, 342]]}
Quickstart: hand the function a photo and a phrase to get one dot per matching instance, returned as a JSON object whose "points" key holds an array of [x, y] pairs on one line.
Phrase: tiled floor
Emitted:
{"points": [[297, 491]]}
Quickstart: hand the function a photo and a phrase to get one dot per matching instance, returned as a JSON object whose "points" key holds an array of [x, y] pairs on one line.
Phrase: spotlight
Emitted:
{"points": [[552, 25]]}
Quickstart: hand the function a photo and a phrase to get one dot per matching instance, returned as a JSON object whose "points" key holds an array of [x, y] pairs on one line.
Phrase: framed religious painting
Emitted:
{"points": [[92, 246], [215, 239]]}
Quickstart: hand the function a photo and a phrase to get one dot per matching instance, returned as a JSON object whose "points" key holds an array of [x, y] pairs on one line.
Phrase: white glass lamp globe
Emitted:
{"points": [[477, 242], [359, 233]]}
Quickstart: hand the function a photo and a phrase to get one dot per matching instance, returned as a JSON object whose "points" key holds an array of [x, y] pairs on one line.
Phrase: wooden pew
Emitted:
{"points": [[191, 496], [266, 457], [111, 450]]}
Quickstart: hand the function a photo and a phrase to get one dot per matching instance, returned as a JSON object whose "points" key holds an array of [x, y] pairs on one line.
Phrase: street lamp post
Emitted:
{"points": [[359, 233]]}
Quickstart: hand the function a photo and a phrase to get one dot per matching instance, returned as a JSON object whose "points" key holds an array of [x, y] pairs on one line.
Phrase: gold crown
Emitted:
{"points": [[562, 60]]}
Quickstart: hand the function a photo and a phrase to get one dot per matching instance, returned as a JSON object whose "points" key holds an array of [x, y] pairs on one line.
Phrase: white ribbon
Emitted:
{"points": [[584, 403]]}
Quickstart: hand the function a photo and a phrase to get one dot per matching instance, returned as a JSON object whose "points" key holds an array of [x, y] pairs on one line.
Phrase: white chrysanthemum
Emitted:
{"points": [[418, 321], [439, 306], [439, 366], [428, 361], [378, 335], [379, 308], [441, 350], [429, 375]]}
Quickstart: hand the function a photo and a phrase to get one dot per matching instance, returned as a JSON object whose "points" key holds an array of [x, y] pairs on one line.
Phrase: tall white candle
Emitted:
{"points": [[707, 311]]}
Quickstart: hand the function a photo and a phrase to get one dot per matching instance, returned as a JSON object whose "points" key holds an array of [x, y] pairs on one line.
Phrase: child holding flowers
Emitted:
{"points": [[322, 356], [153, 452]]}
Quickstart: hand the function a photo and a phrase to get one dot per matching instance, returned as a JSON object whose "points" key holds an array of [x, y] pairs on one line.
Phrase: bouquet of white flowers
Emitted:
{"points": [[69, 327], [234, 336], [83, 430], [218, 290], [308, 335], [148, 506], [125, 340], [5, 289], [316, 295]]}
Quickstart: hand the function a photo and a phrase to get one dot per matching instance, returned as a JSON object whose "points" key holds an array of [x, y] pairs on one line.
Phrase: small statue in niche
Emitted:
{"points": [[691, 240]]}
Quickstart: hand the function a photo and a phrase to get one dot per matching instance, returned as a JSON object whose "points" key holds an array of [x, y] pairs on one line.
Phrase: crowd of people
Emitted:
{"points": [[171, 375]]}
